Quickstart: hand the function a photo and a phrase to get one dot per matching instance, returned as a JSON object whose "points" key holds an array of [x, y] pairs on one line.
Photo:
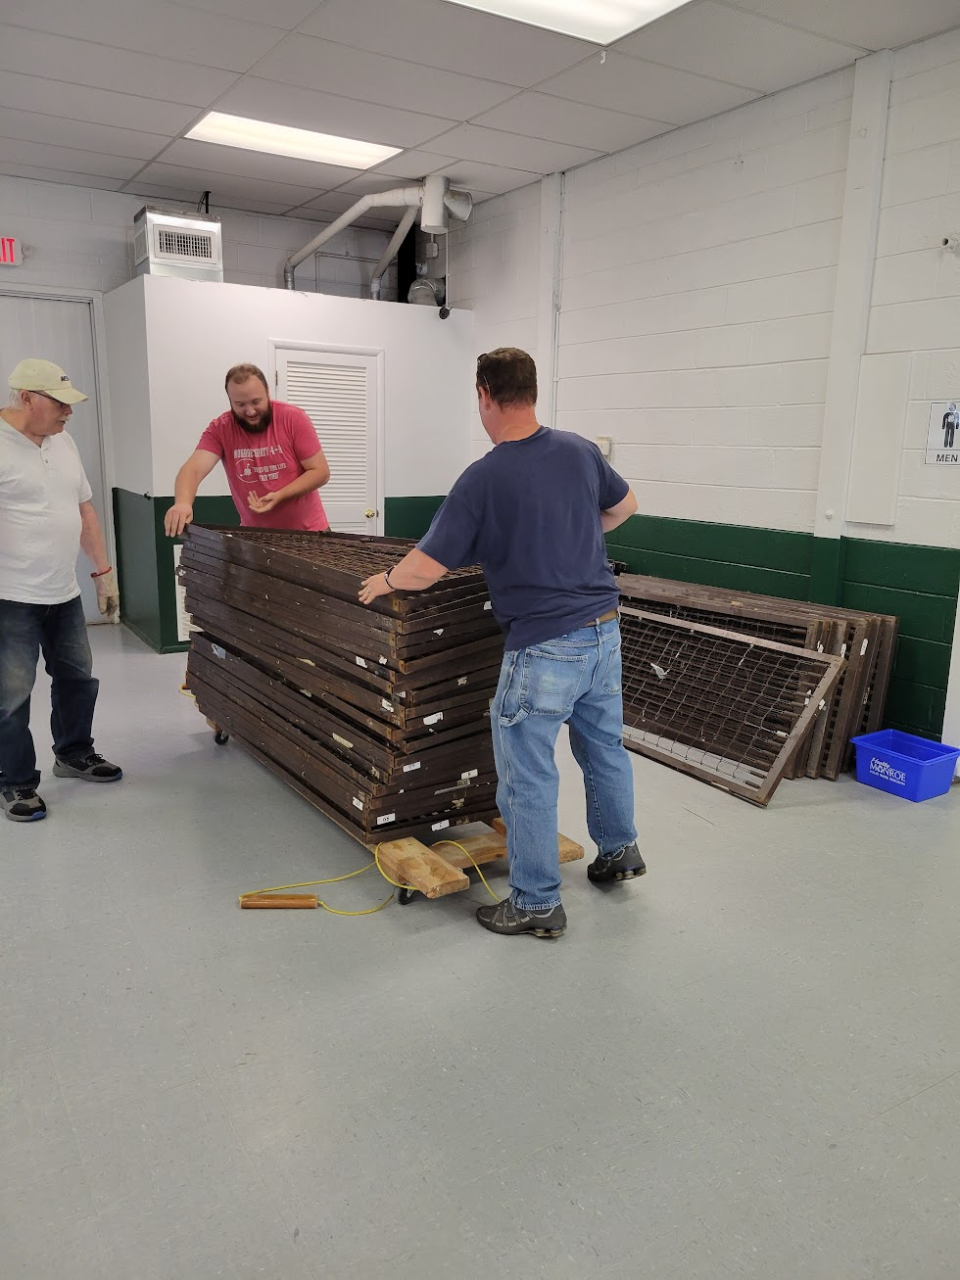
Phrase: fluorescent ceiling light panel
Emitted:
{"points": [[601, 21], [282, 140]]}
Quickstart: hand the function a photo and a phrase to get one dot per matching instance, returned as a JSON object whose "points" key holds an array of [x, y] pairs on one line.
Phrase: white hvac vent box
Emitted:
{"points": [[186, 245]]}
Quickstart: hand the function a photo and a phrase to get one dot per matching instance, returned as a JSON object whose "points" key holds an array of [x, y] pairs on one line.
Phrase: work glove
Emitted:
{"points": [[108, 593]]}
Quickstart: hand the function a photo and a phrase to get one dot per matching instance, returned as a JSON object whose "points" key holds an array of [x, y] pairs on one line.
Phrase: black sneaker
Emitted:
{"points": [[625, 864], [23, 805], [506, 918], [91, 768]]}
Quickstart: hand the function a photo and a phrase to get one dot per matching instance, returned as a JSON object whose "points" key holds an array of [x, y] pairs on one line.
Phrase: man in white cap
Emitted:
{"points": [[46, 515]]}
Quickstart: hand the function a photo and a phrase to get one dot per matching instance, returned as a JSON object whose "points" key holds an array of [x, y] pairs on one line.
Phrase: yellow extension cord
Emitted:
{"points": [[307, 884]]}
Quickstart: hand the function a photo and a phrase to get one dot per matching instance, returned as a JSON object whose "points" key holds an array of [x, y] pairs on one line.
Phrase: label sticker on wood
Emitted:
{"points": [[409, 768], [343, 742], [471, 773], [433, 719], [440, 826], [438, 631], [382, 661], [387, 817], [219, 652], [360, 662], [463, 680], [387, 706], [488, 605], [863, 647], [357, 804]]}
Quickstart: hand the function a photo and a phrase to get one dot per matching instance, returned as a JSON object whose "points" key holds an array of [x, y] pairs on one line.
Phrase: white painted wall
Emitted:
{"points": [[125, 322], [914, 333], [74, 237], [195, 331]]}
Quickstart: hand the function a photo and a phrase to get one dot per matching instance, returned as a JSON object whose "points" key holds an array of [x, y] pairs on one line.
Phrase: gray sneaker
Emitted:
{"points": [[22, 804], [91, 768], [505, 917], [625, 864]]}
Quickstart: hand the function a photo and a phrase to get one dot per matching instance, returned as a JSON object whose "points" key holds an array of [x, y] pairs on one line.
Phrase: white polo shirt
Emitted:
{"points": [[41, 488]]}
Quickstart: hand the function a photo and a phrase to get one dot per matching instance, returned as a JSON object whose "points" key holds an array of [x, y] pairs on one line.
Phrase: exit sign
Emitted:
{"points": [[9, 251]]}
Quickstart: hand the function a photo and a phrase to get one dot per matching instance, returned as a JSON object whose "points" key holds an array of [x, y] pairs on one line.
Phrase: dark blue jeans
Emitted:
{"points": [[59, 632]]}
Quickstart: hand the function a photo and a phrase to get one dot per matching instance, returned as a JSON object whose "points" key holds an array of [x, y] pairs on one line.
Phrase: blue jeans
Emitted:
{"points": [[59, 632], [574, 679]]}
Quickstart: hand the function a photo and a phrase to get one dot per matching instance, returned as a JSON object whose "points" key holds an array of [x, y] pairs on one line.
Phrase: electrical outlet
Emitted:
{"points": [[605, 445]]}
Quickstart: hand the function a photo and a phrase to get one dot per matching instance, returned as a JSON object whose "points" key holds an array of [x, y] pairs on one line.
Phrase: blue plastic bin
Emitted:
{"points": [[905, 765]]}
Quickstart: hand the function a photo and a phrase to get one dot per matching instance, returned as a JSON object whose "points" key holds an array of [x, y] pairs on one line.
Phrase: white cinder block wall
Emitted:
{"points": [[77, 238], [914, 333]]}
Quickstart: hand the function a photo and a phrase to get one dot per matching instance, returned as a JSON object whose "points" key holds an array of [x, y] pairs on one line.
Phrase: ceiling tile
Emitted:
{"points": [[537, 115], [881, 24], [336, 68], [726, 44], [150, 26], [332, 203], [188, 195], [61, 175], [224, 187], [490, 179], [282, 13], [71, 160], [412, 164], [492, 146], [28, 126], [80, 62], [444, 35], [645, 89], [327, 113], [95, 106], [209, 158]]}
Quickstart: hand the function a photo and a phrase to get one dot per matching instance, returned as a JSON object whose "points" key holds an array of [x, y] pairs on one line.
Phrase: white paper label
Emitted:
{"points": [[343, 742], [433, 719], [357, 804], [382, 661], [183, 618], [863, 647], [387, 706], [488, 605], [440, 826], [439, 631], [387, 817], [471, 773], [218, 652], [409, 768], [360, 662], [463, 680], [400, 695]]}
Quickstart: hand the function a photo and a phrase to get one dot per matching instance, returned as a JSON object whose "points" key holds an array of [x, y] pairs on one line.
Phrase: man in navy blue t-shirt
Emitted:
{"points": [[532, 513]]}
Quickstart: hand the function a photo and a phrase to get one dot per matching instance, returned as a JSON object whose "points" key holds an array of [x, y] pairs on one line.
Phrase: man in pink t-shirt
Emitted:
{"points": [[272, 457]]}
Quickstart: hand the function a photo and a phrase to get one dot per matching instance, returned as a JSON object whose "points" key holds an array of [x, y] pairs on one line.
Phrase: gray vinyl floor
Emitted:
{"points": [[746, 1064]]}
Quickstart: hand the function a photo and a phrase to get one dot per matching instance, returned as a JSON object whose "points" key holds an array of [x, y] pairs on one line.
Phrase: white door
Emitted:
{"points": [[339, 393], [61, 330]]}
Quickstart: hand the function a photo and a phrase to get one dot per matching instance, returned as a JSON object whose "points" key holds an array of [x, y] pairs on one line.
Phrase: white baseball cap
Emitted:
{"points": [[43, 375]]}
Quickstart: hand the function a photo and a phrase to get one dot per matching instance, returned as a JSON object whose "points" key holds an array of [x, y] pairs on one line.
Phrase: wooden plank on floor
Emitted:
{"points": [[410, 862]]}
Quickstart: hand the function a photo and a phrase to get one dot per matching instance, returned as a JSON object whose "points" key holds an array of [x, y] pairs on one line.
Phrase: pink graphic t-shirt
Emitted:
{"points": [[267, 462]]}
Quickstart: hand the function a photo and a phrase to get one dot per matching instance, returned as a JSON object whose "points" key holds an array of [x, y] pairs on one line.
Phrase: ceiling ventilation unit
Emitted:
{"points": [[186, 245]]}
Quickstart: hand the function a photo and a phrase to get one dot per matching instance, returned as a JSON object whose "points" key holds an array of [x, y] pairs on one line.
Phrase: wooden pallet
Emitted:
{"points": [[434, 874]]}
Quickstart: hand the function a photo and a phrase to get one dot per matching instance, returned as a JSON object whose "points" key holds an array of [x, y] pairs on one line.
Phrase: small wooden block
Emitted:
{"points": [[570, 851], [486, 847], [410, 862]]}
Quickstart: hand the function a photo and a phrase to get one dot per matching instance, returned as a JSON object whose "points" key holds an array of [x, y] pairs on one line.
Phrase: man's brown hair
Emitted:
{"points": [[509, 375], [241, 372]]}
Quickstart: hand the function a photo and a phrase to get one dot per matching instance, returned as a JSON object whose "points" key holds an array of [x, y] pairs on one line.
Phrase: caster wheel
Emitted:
{"points": [[221, 738], [406, 896]]}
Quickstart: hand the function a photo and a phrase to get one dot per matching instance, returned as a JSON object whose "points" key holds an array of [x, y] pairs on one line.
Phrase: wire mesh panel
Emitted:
{"points": [[727, 708]]}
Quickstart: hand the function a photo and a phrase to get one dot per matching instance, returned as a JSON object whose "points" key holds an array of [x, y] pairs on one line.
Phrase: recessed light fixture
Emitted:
{"points": [[601, 21], [282, 140]]}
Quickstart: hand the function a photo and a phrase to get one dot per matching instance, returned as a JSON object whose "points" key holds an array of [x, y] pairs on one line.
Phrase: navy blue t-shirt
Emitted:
{"points": [[528, 513]]}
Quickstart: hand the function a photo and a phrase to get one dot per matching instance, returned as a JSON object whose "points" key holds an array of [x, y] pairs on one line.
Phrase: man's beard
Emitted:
{"points": [[255, 429]]}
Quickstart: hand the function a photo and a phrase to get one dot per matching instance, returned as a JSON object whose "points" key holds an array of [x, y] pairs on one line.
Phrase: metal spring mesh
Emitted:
{"points": [[721, 704]]}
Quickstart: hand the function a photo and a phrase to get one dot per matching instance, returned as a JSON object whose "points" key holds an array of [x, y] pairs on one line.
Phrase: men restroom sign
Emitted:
{"points": [[9, 251], [943, 434]]}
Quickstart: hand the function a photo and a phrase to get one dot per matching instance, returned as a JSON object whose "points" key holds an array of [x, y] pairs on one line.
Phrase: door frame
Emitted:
{"points": [[100, 393], [297, 344]]}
